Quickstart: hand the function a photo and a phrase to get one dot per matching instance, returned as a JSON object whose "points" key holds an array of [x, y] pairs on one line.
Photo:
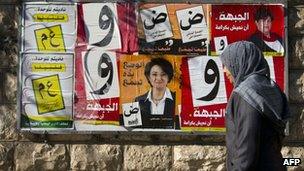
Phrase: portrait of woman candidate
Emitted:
{"points": [[157, 106], [264, 38]]}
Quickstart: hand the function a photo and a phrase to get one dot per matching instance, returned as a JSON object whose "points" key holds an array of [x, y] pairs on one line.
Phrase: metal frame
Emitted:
{"points": [[168, 1], [139, 132]]}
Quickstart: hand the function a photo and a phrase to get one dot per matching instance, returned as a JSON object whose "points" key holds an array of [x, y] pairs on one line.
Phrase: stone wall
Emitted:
{"points": [[26, 151]]}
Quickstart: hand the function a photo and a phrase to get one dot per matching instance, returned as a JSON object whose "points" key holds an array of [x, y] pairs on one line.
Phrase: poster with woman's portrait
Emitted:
{"points": [[261, 24], [150, 91]]}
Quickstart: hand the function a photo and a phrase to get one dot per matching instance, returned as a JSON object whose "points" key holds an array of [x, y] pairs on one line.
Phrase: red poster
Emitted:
{"points": [[103, 30], [260, 24], [204, 94]]}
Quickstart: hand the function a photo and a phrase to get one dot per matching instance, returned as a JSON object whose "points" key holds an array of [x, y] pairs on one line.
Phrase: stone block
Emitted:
{"points": [[8, 127], [8, 13], [6, 156], [294, 152], [197, 157], [9, 57], [296, 56], [34, 156], [96, 157], [8, 2], [10, 87], [296, 20], [296, 86], [1, 86], [300, 11], [8, 36], [150, 157], [294, 2], [296, 123]]}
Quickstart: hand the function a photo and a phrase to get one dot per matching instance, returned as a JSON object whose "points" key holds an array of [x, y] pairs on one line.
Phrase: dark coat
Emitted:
{"points": [[257, 111], [257, 39], [166, 121], [253, 141]]}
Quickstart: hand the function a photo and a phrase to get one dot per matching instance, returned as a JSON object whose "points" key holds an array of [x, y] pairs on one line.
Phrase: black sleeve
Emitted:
{"points": [[247, 139]]}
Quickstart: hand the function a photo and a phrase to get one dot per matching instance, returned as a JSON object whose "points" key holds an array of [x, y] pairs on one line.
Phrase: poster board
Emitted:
{"points": [[107, 67]]}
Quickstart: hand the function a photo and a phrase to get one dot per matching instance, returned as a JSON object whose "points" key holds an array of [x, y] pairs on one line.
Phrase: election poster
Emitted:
{"points": [[205, 92], [100, 29], [101, 24], [97, 87], [150, 91], [261, 24], [49, 28], [47, 91], [106, 25], [173, 29]]}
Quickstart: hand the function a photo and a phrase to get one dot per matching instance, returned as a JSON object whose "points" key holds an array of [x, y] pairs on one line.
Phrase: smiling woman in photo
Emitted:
{"points": [[157, 106]]}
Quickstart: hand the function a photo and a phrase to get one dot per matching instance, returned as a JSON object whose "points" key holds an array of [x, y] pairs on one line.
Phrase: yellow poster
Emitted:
{"points": [[50, 39], [48, 94]]}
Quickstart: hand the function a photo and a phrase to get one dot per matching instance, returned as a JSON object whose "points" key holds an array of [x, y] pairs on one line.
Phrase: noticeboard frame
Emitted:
{"points": [[149, 131]]}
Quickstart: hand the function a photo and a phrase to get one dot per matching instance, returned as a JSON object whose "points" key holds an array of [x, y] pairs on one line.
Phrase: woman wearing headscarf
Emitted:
{"points": [[256, 112]]}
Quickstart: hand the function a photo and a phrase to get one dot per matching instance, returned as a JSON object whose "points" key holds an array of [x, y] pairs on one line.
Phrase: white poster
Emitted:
{"points": [[101, 74], [101, 25], [131, 114], [47, 89], [156, 23], [220, 44], [192, 24], [207, 81], [49, 28], [269, 60]]}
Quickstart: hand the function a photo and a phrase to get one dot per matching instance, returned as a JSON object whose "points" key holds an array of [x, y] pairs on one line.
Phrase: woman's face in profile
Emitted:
{"points": [[264, 25], [228, 74], [158, 78]]}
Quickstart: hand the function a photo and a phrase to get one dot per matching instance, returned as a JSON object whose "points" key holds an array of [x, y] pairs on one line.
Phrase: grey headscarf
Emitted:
{"points": [[250, 71], [243, 59]]}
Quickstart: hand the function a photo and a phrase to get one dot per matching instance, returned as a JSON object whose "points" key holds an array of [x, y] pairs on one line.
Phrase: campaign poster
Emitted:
{"points": [[150, 92], [49, 28], [101, 25], [97, 87], [261, 24], [111, 26], [205, 92], [173, 29], [47, 91]]}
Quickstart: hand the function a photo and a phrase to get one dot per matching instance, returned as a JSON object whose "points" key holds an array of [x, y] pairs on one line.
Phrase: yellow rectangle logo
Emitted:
{"points": [[48, 67], [50, 39], [48, 94], [51, 17]]}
